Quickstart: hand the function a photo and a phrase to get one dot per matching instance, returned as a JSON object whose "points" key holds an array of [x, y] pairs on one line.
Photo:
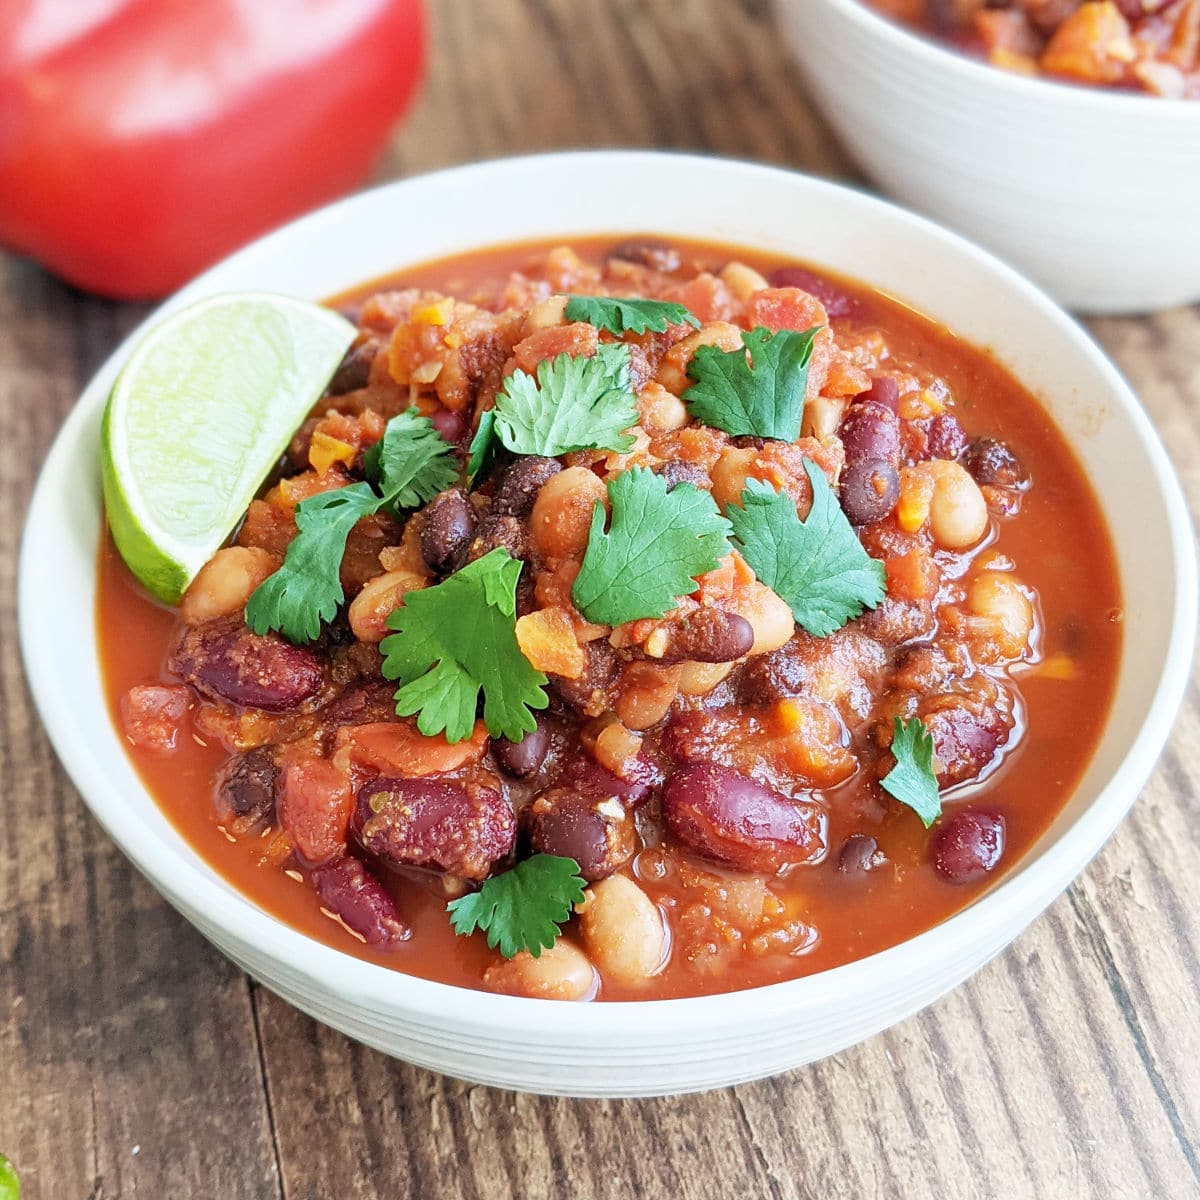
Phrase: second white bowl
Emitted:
{"points": [[1093, 193]]}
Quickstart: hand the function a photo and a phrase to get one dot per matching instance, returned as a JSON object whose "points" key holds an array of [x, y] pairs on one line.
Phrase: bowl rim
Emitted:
{"points": [[187, 882], [942, 57]]}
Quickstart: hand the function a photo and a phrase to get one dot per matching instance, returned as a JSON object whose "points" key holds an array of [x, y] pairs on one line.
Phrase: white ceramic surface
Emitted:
{"points": [[1093, 193], [676, 1045]]}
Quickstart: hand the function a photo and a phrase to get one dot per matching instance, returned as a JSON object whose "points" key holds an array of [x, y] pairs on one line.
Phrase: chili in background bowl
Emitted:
{"points": [[1090, 191], [646, 1047]]}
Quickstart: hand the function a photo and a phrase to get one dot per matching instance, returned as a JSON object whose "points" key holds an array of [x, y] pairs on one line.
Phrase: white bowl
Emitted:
{"points": [[673, 1045], [1093, 193]]}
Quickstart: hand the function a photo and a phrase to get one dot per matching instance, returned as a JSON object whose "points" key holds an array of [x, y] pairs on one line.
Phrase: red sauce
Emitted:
{"points": [[1057, 545]]}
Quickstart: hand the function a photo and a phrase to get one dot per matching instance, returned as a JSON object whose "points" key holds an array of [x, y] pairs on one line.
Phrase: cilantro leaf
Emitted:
{"points": [[523, 908], [657, 541], [577, 402], [484, 447], [618, 314], [762, 397], [817, 566], [307, 589], [456, 639], [912, 780], [412, 462]]}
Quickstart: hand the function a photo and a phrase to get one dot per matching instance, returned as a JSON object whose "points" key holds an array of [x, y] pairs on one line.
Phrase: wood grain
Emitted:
{"points": [[134, 1061]]}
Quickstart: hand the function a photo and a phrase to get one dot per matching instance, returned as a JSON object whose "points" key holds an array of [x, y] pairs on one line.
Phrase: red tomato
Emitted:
{"points": [[315, 808], [141, 140]]}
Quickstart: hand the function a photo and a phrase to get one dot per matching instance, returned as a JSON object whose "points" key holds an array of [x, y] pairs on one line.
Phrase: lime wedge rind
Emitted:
{"points": [[199, 415]]}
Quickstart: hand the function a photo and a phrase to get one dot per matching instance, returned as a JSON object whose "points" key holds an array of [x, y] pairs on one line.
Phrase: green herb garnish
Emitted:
{"points": [[576, 402], [523, 908], [632, 314], [818, 566], [912, 780], [456, 639], [410, 464], [657, 541], [759, 396]]}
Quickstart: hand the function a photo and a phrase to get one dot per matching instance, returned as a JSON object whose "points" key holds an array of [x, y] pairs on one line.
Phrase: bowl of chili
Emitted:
{"points": [[793, 984], [1088, 189]]}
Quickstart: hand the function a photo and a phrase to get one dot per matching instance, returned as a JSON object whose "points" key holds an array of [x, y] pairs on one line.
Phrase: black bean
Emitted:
{"points": [[992, 462], [680, 472], [447, 531], [523, 758], [598, 835], [658, 256], [354, 370], [945, 438], [869, 491], [871, 432], [246, 788], [968, 845], [493, 531], [520, 484], [860, 853]]}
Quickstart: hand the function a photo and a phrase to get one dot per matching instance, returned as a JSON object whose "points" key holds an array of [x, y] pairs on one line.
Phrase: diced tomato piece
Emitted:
{"points": [[153, 716], [399, 748], [785, 308], [578, 338], [315, 808]]}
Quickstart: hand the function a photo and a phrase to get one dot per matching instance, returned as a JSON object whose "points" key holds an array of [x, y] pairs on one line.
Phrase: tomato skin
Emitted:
{"points": [[156, 136], [315, 808]]}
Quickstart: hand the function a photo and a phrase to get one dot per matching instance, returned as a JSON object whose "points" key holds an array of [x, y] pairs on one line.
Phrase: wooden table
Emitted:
{"points": [[135, 1061]]}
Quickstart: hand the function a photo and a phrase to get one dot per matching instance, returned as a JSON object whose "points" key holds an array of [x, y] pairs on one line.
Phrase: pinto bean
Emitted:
{"points": [[225, 660], [447, 531], [247, 789], [869, 491], [562, 512], [598, 834], [353, 893], [732, 819], [958, 515], [992, 462], [705, 635], [226, 582], [428, 823], [870, 431], [562, 972], [968, 845], [623, 930], [520, 484], [521, 759]]}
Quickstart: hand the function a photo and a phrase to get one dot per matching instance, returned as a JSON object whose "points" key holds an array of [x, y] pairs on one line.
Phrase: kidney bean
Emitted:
{"points": [[352, 892], [429, 823], [706, 635], [225, 660], [859, 854], [734, 820], [520, 484], [587, 778], [944, 438], [870, 431], [521, 759], [680, 472], [493, 531], [885, 390], [450, 425], [354, 370], [598, 835], [247, 788], [658, 256], [968, 845], [837, 302], [966, 736], [447, 531], [992, 462], [868, 491]]}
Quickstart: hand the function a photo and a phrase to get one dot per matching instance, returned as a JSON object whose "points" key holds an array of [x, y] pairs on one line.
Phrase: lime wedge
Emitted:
{"points": [[198, 417]]}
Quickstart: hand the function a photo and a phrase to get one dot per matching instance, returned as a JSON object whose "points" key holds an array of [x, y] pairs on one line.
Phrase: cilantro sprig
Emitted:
{"points": [[619, 314], [818, 566], [658, 540], [523, 908], [757, 391], [456, 639], [912, 780], [410, 465], [575, 402]]}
